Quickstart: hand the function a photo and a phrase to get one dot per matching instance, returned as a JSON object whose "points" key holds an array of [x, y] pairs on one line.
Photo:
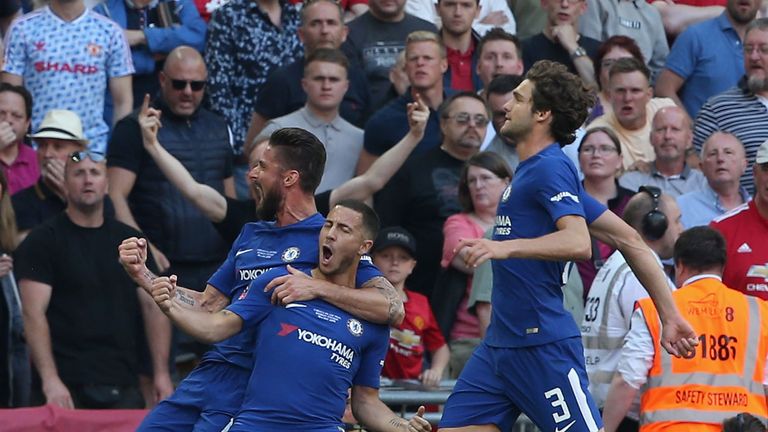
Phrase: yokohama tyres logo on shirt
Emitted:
{"points": [[340, 353]]}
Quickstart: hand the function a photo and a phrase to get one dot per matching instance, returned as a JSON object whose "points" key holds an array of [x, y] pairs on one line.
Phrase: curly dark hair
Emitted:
{"points": [[563, 94]]}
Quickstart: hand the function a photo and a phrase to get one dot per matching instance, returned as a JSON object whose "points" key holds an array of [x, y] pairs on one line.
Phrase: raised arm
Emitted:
{"points": [[206, 327], [382, 169], [133, 257], [677, 336], [370, 411], [569, 243], [207, 199]]}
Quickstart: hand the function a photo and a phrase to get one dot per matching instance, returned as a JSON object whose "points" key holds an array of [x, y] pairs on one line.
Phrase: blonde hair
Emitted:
{"points": [[425, 36]]}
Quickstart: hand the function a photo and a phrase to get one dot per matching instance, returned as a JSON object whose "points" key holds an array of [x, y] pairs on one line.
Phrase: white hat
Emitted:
{"points": [[762, 153], [61, 124]]}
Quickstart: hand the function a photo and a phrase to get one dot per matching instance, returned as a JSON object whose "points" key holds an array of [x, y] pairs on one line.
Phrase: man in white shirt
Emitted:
{"points": [[615, 290]]}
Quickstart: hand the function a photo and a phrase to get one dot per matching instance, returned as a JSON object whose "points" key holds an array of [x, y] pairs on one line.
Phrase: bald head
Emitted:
{"points": [[185, 57], [182, 81], [671, 134], [640, 205]]}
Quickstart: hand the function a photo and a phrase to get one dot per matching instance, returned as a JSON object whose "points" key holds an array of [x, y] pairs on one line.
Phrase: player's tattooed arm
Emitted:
{"points": [[395, 308], [211, 300], [371, 412], [376, 301], [201, 325]]}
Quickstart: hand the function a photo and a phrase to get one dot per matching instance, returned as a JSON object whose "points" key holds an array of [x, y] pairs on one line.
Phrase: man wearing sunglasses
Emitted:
{"points": [[422, 195], [181, 236], [80, 308]]}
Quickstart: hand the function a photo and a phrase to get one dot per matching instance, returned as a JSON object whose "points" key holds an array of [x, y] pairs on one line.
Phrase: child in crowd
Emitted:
{"points": [[393, 254]]}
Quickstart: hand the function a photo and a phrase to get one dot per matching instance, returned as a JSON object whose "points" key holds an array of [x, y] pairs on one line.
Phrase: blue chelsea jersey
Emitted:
{"points": [[309, 355], [527, 295], [260, 247]]}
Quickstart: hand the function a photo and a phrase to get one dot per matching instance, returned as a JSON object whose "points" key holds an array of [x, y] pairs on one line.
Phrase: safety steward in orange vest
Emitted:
{"points": [[725, 374]]}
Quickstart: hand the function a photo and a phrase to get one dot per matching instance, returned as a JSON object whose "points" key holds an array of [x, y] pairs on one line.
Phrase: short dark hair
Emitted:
{"points": [[743, 422], [700, 248], [446, 105], [503, 84], [328, 55], [371, 223], [563, 94], [606, 130], [21, 91], [300, 150], [498, 33], [629, 65], [488, 160], [309, 3], [617, 41]]}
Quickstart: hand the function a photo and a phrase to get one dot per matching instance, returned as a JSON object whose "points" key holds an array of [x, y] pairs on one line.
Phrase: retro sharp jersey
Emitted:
{"points": [[260, 247], [67, 65], [309, 355], [527, 296]]}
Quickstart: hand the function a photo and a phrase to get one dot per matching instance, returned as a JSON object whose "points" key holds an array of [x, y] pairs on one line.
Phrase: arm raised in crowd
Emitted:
{"points": [[214, 206], [373, 180], [207, 199]]}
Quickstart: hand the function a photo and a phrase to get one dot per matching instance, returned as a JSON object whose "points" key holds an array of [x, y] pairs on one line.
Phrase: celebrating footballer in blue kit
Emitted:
{"points": [[531, 360], [310, 353], [286, 176]]}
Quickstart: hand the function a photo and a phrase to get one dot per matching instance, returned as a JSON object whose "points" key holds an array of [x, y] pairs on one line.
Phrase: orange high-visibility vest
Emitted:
{"points": [[724, 376]]}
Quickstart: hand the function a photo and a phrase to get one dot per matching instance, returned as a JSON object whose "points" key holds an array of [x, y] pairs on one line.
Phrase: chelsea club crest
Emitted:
{"points": [[355, 327], [290, 254]]}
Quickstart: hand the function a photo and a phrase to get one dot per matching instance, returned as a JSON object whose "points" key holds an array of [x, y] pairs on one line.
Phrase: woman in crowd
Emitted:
{"points": [[600, 161], [614, 48], [483, 179], [14, 363]]}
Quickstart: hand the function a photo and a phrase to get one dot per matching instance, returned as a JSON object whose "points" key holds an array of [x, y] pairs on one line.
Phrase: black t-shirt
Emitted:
{"points": [[93, 314], [374, 45], [37, 203], [9, 7], [538, 47], [420, 197]]}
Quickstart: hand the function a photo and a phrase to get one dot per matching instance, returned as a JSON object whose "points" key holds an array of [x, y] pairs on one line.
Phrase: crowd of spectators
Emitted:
{"points": [[407, 96]]}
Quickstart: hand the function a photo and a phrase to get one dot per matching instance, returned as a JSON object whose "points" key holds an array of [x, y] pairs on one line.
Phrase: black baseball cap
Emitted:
{"points": [[395, 236]]}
